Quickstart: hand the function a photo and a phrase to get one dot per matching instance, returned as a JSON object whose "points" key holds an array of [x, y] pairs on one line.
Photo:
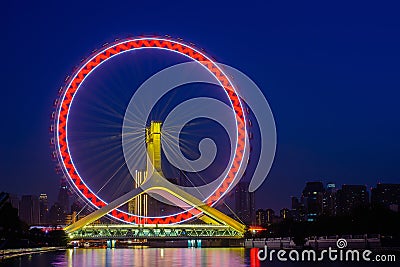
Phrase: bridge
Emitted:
{"points": [[217, 224], [152, 231]]}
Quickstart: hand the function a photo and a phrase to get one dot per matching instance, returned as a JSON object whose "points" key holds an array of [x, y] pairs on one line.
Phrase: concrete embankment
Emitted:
{"points": [[316, 243], [9, 253]]}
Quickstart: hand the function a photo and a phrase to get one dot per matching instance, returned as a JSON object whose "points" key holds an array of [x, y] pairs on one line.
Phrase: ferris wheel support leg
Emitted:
{"points": [[157, 182], [104, 210]]}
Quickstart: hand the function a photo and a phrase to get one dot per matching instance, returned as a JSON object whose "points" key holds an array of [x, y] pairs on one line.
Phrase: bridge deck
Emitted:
{"points": [[153, 231]]}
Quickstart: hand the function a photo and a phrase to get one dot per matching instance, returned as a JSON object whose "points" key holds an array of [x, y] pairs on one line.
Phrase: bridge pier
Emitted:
{"points": [[196, 243], [111, 243]]}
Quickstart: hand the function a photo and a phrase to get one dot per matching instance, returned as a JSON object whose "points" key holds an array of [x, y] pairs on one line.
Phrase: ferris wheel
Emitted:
{"points": [[67, 110]]}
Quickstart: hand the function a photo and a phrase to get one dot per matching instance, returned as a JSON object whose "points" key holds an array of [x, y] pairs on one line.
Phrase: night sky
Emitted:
{"points": [[331, 74]]}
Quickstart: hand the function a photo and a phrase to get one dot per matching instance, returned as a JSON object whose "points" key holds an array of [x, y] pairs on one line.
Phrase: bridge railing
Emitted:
{"points": [[148, 232]]}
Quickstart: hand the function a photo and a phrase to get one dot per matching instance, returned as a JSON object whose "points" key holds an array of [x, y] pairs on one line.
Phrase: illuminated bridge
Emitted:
{"points": [[149, 231], [217, 224]]}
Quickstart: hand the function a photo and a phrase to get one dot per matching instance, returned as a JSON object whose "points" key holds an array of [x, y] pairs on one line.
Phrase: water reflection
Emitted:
{"points": [[156, 257], [152, 257], [254, 261]]}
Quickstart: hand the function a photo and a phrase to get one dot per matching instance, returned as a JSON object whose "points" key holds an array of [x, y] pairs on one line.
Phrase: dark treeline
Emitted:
{"points": [[16, 234]]}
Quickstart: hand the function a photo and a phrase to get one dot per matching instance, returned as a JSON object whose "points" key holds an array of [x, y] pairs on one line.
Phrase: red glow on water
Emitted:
{"points": [[254, 261]]}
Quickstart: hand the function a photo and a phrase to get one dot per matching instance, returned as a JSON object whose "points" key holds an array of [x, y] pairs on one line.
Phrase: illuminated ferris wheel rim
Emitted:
{"points": [[107, 52]]}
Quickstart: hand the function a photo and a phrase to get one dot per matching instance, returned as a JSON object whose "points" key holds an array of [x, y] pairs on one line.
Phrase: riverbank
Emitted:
{"points": [[10, 253], [355, 242]]}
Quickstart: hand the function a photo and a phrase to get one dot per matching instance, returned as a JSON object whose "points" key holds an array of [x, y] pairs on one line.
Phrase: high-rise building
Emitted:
{"points": [[14, 201], [329, 202], [386, 195], [44, 209], [29, 209], [295, 203], [285, 213], [57, 214], [77, 212], [76, 207], [269, 216], [312, 198], [350, 197], [244, 203], [63, 195], [297, 212], [260, 217], [10, 199]]}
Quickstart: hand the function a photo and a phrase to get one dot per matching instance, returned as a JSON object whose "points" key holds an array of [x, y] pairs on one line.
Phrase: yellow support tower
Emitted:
{"points": [[153, 141]]}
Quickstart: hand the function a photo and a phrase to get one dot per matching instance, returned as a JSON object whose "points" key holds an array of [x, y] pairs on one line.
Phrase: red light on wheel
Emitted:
{"points": [[101, 56]]}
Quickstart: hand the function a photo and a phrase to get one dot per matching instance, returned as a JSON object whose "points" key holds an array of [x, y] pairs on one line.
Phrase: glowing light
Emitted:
{"points": [[255, 229]]}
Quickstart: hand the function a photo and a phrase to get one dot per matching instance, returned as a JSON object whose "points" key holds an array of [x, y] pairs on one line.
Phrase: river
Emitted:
{"points": [[155, 257]]}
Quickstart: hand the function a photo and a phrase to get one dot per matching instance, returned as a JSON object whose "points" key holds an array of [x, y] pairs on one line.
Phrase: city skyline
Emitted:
{"points": [[257, 205], [36, 210], [333, 95]]}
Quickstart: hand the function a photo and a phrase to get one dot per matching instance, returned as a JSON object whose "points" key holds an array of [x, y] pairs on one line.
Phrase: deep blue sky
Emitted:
{"points": [[331, 73]]}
